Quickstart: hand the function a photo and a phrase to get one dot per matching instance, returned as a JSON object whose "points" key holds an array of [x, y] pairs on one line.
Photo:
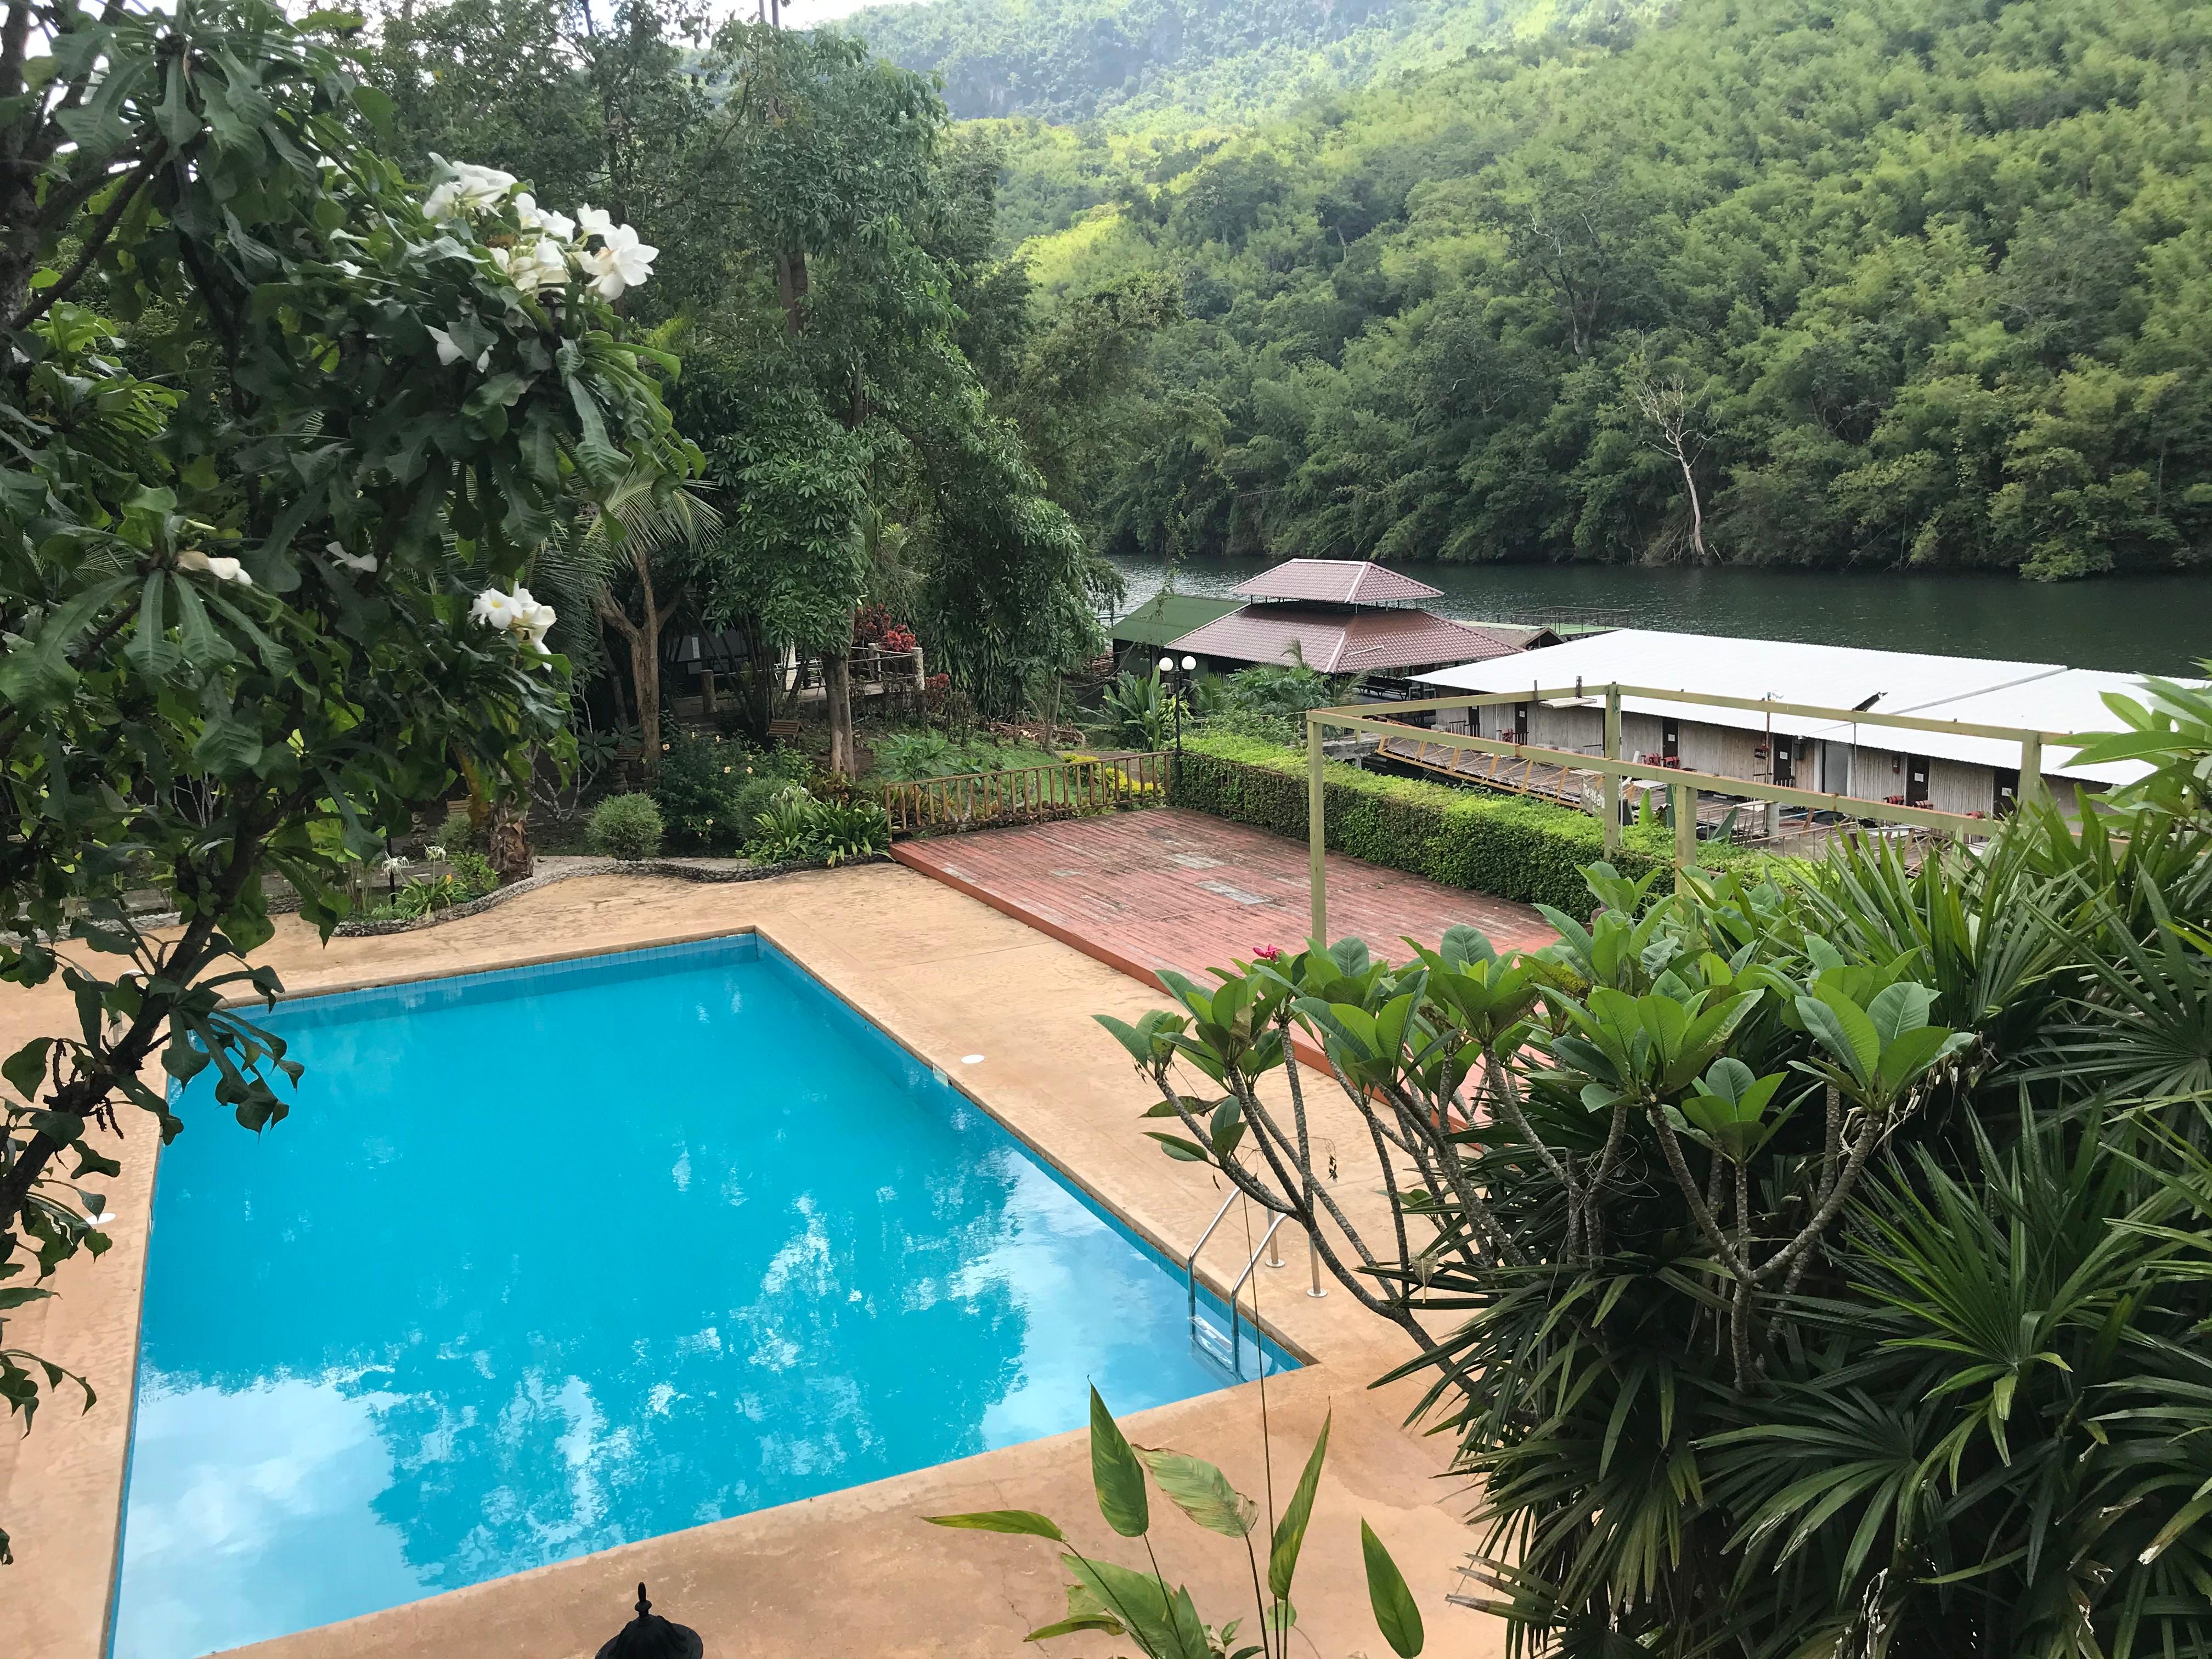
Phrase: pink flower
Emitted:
{"points": [[1268, 953]]}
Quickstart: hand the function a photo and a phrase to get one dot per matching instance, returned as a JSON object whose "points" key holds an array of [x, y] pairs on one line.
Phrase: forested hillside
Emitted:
{"points": [[1774, 281], [1177, 60]]}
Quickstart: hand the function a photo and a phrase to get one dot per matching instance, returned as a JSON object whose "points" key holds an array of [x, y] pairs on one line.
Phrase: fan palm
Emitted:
{"points": [[625, 563]]}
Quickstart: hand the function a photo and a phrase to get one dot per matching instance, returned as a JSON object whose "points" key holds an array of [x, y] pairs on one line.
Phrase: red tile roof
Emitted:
{"points": [[1337, 581], [1337, 642]]}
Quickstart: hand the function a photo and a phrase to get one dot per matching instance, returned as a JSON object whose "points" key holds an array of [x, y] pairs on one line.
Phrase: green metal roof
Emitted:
{"points": [[1166, 616]]}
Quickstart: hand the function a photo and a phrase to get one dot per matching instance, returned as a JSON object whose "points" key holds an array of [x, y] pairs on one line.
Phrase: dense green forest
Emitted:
{"points": [[1174, 61], [1815, 281]]}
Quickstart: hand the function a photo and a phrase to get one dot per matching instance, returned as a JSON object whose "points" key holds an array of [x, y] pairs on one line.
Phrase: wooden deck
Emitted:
{"points": [[1518, 775], [1524, 775], [1175, 888]]}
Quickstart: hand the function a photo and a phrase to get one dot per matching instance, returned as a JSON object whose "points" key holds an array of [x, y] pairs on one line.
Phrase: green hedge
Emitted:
{"points": [[1524, 850]]}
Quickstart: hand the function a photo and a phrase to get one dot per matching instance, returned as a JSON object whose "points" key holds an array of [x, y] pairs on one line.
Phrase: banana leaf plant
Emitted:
{"points": [[1136, 1604]]}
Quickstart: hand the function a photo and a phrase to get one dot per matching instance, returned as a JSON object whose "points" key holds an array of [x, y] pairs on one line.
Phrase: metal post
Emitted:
{"points": [[2031, 767], [1611, 787], [1685, 800], [1313, 1259], [1316, 832], [1274, 1249]]}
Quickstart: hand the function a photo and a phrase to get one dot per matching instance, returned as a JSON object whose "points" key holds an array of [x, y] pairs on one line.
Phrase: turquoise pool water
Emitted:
{"points": [[549, 1260]]}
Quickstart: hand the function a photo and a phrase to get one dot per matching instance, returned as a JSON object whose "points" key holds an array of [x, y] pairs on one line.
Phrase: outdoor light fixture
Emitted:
{"points": [[1167, 672], [649, 1636]]}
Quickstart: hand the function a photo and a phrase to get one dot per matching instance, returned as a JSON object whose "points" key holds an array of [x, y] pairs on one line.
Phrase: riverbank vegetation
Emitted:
{"points": [[1774, 281]]}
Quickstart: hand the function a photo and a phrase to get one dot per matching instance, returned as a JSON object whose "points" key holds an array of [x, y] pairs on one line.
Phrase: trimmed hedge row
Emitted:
{"points": [[1529, 851]]}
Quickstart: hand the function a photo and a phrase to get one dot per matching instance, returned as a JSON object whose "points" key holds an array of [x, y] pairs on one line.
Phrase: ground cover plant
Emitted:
{"points": [[911, 757], [1820, 1269]]}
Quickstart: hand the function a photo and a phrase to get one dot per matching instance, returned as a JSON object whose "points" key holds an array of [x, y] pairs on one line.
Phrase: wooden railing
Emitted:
{"points": [[1029, 794]]}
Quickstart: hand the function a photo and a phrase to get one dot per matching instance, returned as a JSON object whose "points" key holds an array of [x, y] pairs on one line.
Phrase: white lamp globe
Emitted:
{"points": [[1190, 665], [1167, 664]]}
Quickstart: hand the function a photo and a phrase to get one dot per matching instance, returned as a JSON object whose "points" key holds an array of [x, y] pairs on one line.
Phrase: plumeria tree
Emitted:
{"points": [[277, 434]]}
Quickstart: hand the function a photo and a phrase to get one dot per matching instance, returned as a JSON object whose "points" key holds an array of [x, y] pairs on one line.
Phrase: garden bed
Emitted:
{"points": [[680, 869]]}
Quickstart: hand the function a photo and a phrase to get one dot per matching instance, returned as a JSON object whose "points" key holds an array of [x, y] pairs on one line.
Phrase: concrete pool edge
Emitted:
{"points": [[935, 972]]}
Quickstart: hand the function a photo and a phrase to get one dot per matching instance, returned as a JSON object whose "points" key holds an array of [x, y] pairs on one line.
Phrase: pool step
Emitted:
{"points": [[1212, 1341]]}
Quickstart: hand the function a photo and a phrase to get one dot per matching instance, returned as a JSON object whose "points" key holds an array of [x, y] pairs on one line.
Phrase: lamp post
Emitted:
{"points": [[1167, 667]]}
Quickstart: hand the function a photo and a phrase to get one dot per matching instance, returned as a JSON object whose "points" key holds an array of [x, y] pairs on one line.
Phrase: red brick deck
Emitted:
{"points": [[1173, 889]]}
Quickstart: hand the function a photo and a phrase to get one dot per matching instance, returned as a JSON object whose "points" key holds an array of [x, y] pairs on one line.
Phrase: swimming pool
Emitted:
{"points": [[551, 1259]]}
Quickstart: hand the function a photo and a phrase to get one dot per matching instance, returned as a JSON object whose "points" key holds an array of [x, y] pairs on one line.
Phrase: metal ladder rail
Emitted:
{"points": [[1236, 1310], [1190, 1262]]}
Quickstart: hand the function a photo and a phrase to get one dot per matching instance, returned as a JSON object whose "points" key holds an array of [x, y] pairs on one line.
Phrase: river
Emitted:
{"points": [[2145, 624]]}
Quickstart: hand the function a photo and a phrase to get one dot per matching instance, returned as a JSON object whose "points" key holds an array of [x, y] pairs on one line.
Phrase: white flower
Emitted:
{"points": [[536, 621], [222, 570], [593, 222], [624, 262], [559, 226], [449, 350], [365, 564], [515, 613], [393, 864], [469, 192], [433, 853], [539, 266]]}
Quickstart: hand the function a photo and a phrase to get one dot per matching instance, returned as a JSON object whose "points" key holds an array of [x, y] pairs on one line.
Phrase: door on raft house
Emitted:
{"points": [[1785, 763], [1670, 741], [1916, 780], [2007, 801]]}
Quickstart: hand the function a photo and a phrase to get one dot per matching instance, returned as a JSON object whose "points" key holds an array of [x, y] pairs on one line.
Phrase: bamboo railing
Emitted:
{"points": [[1028, 794]]}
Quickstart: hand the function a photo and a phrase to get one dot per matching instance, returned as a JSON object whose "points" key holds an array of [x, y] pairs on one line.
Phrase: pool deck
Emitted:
{"points": [[1170, 888], [854, 1571]]}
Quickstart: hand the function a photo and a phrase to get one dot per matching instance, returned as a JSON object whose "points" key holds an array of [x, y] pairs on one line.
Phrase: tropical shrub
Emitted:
{"points": [[1134, 1603], [796, 828], [1268, 703], [697, 787], [625, 827], [1141, 710], [457, 833], [1817, 1269]]}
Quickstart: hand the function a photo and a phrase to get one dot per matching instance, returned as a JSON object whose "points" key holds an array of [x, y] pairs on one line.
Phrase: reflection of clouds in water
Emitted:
{"points": [[225, 1549], [1070, 1301], [803, 1265], [846, 1301]]}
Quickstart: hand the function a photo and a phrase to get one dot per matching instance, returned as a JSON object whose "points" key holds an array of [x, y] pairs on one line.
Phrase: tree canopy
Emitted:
{"points": [[833, 276], [1908, 283]]}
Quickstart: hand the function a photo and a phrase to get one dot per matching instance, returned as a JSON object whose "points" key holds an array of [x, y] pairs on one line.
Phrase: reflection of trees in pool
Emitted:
{"points": [[668, 1356]]}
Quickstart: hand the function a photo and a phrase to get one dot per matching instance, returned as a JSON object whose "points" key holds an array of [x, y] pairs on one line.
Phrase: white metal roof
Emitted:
{"points": [[2045, 696], [2072, 700]]}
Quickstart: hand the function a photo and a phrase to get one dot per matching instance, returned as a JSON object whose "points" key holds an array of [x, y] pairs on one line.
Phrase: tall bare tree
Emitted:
{"points": [[1673, 413]]}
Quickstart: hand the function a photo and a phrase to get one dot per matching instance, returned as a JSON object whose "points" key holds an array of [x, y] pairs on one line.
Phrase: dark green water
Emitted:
{"points": [[2148, 624]]}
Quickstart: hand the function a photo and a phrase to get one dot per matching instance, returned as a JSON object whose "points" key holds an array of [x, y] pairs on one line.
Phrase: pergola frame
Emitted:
{"points": [[1683, 785]]}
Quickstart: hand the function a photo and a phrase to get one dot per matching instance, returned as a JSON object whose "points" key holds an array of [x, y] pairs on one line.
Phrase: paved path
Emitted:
{"points": [[1174, 888]]}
